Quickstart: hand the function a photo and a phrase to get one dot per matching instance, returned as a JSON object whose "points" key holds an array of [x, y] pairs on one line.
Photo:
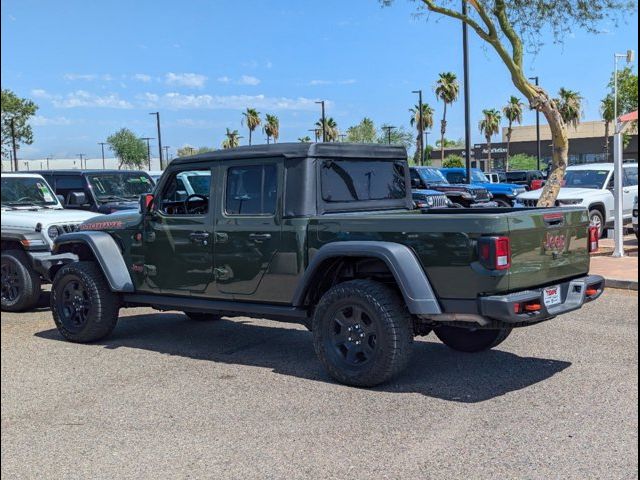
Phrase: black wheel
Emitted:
{"points": [[202, 317], [20, 282], [84, 307], [597, 220], [471, 340], [502, 202], [362, 333]]}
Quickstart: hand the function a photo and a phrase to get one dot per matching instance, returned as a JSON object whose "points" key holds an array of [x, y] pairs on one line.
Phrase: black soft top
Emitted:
{"points": [[81, 171], [302, 150]]}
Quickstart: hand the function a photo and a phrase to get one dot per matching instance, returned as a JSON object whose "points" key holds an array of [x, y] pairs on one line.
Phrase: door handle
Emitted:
{"points": [[259, 237], [199, 237]]}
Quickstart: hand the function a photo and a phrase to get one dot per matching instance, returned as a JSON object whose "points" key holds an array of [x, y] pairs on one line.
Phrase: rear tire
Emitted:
{"points": [[202, 317], [84, 307], [470, 340], [362, 333], [21, 284]]}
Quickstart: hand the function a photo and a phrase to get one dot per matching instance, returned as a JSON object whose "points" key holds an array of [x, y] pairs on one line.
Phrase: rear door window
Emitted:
{"points": [[631, 177], [251, 190]]}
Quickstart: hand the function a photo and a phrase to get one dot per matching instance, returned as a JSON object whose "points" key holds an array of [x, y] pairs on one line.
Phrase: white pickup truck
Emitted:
{"points": [[32, 217], [591, 186]]}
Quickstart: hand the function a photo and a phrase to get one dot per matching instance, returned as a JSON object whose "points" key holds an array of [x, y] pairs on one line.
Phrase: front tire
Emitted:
{"points": [[502, 203], [597, 219], [362, 333], [84, 307], [471, 340], [21, 284]]}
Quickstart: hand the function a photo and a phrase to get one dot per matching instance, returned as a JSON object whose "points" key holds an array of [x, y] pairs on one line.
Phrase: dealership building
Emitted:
{"points": [[586, 145]]}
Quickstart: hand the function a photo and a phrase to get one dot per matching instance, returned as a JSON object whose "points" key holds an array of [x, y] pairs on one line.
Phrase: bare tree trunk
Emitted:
{"points": [[560, 140], [443, 130], [419, 145], [489, 159], [250, 132], [509, 131]]}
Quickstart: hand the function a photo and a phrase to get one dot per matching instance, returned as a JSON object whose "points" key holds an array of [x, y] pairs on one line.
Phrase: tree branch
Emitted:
{"points": [[500, 12], [485, 17], [486, 36]]}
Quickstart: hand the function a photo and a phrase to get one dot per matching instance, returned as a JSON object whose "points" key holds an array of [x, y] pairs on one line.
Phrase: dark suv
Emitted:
{"points": [[461, 195], [103, 191]]}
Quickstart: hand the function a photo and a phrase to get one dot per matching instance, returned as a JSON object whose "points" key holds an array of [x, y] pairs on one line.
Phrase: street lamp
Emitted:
{"points": [[81, 155], [426, 143], [324, 123], [148, 150], [316, 132], [47, 159], [537, 80], [13, 143], [157, 114], [388, 128], [102, 144], [617, 159], [467, 97], [420, 125]]}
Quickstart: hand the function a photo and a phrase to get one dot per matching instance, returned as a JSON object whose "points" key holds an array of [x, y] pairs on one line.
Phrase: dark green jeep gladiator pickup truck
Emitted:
{"points": [[325, 235]]}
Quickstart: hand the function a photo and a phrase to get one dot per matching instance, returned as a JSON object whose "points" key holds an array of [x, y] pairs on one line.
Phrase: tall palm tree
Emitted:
{"points": [[330, 129], [271, 127], [513, 112], [606, 110], [447, 90], [305, 139], [490, 126], [232, 140], [252, 120], [427, 123], [569, 103]]}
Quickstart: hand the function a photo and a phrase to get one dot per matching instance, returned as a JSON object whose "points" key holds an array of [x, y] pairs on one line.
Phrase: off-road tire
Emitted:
{"points": [[502, 203], [203, 317], [471, 340], [388, 335], [21, 284], [99, 313]]}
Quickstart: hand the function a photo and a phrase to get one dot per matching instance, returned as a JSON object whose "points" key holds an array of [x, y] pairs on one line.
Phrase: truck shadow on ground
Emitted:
{"points": [[434, 371]]}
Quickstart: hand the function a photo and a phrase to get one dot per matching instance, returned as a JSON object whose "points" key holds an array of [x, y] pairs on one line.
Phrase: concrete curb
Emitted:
{"points": [[621, 284]]}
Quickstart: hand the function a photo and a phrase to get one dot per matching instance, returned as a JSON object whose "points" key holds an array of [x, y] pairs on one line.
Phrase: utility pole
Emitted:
{"points": [[48, 158], [467, 94], [324, 122], [148, 149], [166, 154], [26, 164], [538, 152], [342, 137], [420, 126], [102, 144], [316, 132], [388, 128], [81, 155], [13, 142], [157, 114]]}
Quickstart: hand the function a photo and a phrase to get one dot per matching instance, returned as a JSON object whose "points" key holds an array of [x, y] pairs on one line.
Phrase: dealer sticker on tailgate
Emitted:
{"points": [[552, 296]]}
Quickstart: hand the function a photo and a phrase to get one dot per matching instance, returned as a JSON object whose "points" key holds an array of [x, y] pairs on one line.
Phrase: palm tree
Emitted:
{"points": [[490, 126], [271, 127], [427, 123], [569, 104], [330, 129], [447, 90], [606, 109], [232, 140], [513, 112], [252, 119], [305, 139]]}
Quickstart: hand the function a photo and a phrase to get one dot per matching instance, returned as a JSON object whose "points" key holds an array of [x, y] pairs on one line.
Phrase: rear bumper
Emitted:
{"points": [[508, 308]]}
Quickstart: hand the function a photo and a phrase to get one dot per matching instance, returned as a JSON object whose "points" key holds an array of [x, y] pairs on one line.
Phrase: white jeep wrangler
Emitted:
{"points": [[32, 217]]}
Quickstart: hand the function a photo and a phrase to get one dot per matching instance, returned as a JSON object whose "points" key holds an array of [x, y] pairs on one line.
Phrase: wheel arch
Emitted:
{"points": [[101, 248], [373, 258]]}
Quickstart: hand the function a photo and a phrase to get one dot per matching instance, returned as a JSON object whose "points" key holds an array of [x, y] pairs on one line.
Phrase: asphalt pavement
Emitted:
{"points": [[166, 397]]}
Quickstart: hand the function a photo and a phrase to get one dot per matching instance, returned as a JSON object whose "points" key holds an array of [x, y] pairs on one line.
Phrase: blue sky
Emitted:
{"points": [[94, 67]]}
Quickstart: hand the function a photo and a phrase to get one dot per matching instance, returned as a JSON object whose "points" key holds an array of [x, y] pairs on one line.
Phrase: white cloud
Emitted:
{"points": [[248, 80], [81, 98], [349, 81], [224, 79], [179, 101], [41, 121], [192, 80], [142, 77], [87, 77]]}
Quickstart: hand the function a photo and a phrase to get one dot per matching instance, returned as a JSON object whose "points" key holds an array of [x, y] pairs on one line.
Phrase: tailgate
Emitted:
{"points": [[548, 245]]}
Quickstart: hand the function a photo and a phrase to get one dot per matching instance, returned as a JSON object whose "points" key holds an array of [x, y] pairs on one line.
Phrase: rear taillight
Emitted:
{"points": [[495, 253], [594, 234]]}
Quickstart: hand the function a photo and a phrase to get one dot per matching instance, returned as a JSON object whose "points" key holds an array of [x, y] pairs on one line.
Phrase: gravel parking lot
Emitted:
{"points": [[166, 397]]}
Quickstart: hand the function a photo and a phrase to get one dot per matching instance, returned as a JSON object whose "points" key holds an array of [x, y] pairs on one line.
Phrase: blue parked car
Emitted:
{"points": [[504, 194], [424, 198]]}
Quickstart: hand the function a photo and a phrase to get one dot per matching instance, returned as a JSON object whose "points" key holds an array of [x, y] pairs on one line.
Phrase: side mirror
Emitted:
{"points": [[76, 199], [146, 202], [60, 199]]}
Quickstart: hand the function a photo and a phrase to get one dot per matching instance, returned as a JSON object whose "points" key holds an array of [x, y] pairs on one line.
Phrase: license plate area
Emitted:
{"points": [[552, 296]]}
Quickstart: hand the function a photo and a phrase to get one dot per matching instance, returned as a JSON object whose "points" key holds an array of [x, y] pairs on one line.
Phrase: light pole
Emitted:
{"points": [[81, 155], [617, 159], [157, 114], [102, 144], [13, 143], [324, 123], [148, 150], [388, 128], [426, 145], [47, 159], [342, 136], [420, 126], [467, 97], [316, 132], [538, 153]]}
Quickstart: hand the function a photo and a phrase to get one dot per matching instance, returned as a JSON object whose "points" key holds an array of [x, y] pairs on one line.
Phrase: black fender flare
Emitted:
{"points": [[107, 253], [401, 261]]}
